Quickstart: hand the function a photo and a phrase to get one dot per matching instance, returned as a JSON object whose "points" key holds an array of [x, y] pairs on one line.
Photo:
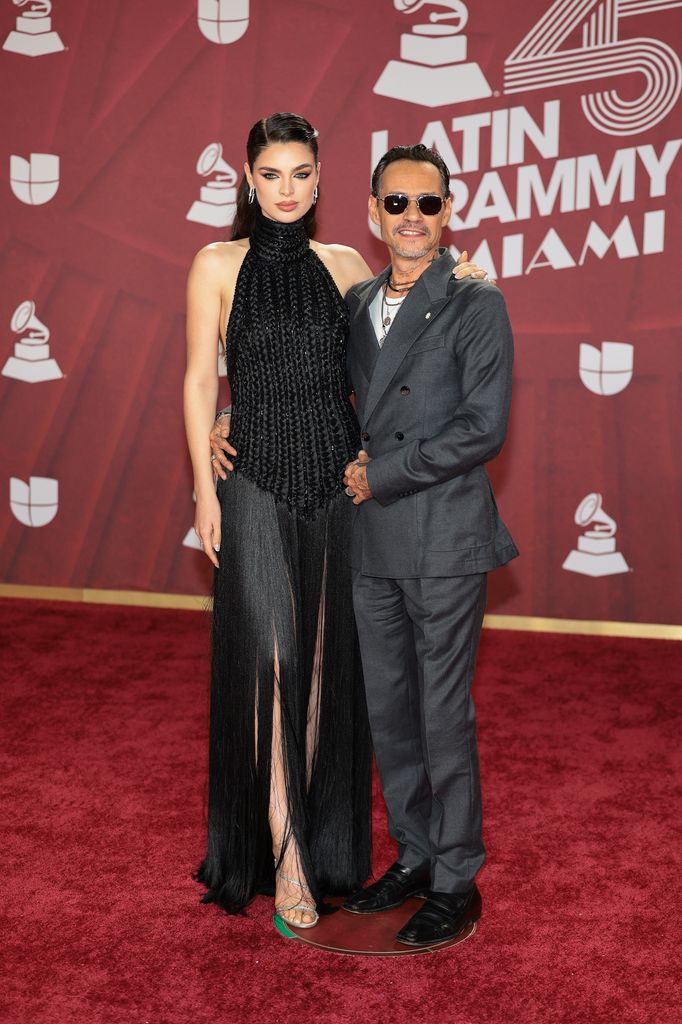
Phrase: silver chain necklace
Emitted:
{"points": [[386, 317]]}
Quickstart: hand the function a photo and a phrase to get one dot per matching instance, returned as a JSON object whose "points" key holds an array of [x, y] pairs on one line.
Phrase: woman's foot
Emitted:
{"points": [[294, 902]]}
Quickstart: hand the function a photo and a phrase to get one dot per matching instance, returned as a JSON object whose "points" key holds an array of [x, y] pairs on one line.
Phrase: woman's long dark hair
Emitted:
{"points": [[281, 127]]}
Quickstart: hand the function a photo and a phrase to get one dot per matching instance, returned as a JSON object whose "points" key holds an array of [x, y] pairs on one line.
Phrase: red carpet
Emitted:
{"points": [[103, 766]]}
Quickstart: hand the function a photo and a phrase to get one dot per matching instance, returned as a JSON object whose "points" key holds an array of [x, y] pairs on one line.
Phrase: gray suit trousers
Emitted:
{"points": [[419, 639]]}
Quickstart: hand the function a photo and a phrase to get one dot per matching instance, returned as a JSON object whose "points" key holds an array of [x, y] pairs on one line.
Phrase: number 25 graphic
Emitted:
{"points": [[538, 62]]}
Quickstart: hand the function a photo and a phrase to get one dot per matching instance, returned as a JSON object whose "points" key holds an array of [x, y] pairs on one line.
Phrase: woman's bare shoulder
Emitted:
{"points": [[335, 251], [217, 259], [345, 263]]}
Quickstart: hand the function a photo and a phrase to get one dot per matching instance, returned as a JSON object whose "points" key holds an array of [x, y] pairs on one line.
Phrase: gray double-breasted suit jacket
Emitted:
{"points": [[433, 405]]}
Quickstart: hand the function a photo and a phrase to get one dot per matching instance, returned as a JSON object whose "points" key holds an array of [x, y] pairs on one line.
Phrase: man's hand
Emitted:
{"points": [[219, 445], [355, 479], [463, 268]]}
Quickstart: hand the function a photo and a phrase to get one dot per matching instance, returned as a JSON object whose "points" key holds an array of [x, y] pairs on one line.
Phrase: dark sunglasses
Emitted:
{"points": [[396, 203]]}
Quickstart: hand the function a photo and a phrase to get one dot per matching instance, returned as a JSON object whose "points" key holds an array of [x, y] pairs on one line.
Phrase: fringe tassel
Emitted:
{"points": [[280, 577]]}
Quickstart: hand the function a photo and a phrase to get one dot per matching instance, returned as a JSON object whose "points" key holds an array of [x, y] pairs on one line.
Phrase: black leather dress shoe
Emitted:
{"points": [[391, 890], [442, 917]]}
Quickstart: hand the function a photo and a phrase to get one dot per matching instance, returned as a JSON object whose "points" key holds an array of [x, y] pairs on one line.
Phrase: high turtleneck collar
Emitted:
{"points": [[274, 240]]}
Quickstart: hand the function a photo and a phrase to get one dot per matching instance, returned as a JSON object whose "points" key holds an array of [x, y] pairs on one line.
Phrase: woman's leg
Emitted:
{"points": [[291, 887]]}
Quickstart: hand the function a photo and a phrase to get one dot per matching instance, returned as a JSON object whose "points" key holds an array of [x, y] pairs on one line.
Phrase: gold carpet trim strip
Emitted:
{"points": [[584, 627], [191, 602], [141, 598]]}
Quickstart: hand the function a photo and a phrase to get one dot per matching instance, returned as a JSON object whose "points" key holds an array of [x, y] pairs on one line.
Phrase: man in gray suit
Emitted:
{"points": [[430, 361]]}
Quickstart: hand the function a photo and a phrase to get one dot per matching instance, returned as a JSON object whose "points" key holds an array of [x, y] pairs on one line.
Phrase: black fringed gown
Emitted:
{"points": [[289, 739]]}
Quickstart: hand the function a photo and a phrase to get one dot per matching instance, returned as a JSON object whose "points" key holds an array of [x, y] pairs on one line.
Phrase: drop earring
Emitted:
{"points": [[315, 195], [252, 194]]}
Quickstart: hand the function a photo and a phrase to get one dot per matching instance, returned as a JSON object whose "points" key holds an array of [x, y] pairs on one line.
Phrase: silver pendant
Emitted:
{"points": [[387, 321]]}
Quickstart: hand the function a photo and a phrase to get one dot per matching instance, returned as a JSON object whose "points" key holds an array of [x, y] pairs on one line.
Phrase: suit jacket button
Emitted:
{"points": [[365, 436], [404, 390], [399, 436]]}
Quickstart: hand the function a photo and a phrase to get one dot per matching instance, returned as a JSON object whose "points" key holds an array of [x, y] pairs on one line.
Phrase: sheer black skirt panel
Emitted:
{"points": [[290, 754]]}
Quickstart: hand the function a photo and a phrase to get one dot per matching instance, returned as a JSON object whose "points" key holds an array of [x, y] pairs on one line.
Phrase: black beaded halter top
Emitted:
{"points": [[292, 423]]}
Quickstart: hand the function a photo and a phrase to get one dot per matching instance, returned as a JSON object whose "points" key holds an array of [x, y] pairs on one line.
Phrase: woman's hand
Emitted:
{"points": [[463, 268], [207, 525], [219, 445]]}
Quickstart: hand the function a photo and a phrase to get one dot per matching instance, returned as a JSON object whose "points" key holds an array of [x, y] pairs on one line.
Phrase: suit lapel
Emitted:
{"points": [[365, 345], [418, 311]]}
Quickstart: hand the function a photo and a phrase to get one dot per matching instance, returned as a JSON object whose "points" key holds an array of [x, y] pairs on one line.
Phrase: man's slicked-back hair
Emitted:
{"points": [[420, 154]]}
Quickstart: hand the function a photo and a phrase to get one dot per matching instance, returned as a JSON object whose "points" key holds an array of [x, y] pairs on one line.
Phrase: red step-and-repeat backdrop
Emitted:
{"points": [[123, 131]]}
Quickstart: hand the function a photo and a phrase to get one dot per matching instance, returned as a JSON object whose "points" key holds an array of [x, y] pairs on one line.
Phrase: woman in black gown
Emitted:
{"points": [[289, 763], [289, 771]]}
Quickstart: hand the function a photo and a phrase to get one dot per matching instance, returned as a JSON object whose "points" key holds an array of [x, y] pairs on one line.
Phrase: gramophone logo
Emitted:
{"points": [[31, 361], [35, 181], [222, 362], [433, 70], [223, 21], [596, 553], [33, 36], [34, 503], [191, 540], [608, 370], [217, 204]]}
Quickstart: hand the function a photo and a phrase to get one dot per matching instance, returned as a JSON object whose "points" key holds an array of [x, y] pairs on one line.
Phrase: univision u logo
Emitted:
{"points": [[606, 370], [35, 181], [223, 21], [34, 503]]}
